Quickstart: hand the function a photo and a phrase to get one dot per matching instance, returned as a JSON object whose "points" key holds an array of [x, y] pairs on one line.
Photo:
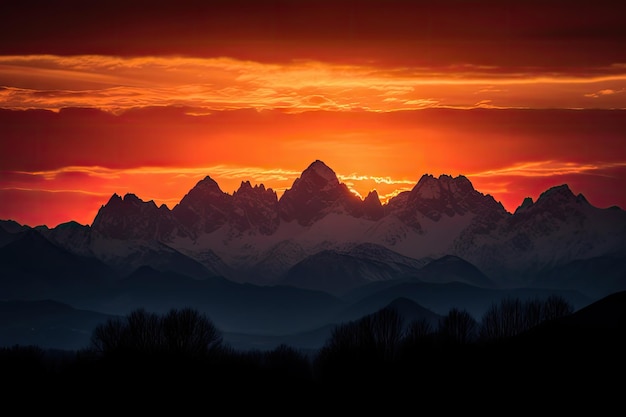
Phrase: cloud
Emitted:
{"points": [[377, 180], [605, 92], [252, 173], [384, 198], [58, 191], [117, 84], [550, 168]]}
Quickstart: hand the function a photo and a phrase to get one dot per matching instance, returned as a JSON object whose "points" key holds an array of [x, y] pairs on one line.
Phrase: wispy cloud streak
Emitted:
{"points": [[212, 84], [102, 181], [550, 168]]}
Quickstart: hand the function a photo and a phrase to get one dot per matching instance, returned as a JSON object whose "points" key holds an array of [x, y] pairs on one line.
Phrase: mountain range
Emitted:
{"points": [[250, 258]]}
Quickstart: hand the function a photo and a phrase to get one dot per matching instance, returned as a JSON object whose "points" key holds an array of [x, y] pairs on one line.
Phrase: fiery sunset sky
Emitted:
{"points": [[99, 98]]}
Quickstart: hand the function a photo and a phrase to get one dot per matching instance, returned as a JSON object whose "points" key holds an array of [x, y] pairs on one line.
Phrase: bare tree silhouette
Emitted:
{"points": [[511, 316], [502, 320], [555, 307], [361, 348], [142, 332], [183, 332], [417, 332], [386, 328], [108, 336], [533, 313], [458, 327], [188, 332]]}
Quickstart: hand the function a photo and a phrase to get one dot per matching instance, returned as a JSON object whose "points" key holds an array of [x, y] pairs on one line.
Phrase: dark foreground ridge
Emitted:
{"points": [[535, 351]]}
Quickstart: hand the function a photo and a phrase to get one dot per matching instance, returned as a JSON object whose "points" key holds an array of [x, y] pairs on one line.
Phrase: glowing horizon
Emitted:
{"points": [[230, 177]]}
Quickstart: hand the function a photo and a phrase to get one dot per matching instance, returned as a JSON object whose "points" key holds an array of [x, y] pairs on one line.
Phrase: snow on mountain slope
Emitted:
{"points": [[252, 236], [337, 272], [72, 236], [373, 251], [255, 208], [204, 208], [559, 228], [432, 239], [126, 255]]}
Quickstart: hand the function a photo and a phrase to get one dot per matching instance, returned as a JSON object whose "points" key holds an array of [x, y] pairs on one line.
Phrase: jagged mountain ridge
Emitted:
{"points": [[254, 236], [206, 208], [315, 194], [317, 213]]}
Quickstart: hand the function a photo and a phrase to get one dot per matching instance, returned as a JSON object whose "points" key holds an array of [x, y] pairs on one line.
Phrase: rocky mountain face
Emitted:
{"points": [[315, 194], [255, 209], [254, 236], [435, 198], [132, 218], [204, 208], [558, 228]]}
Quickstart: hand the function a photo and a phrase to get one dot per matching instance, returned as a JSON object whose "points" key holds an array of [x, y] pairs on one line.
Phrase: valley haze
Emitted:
{"points": [[269, 270]]}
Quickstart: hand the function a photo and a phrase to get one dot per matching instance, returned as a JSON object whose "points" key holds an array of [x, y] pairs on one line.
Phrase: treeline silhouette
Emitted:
{"points": [[182, 351]]}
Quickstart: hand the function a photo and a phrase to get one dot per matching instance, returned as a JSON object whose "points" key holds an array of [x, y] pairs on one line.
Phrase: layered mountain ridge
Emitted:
{"points": [[254, 236]]}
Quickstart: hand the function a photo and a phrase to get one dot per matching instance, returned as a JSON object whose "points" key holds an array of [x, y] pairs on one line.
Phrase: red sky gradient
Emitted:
{"points": [[123, 98]]}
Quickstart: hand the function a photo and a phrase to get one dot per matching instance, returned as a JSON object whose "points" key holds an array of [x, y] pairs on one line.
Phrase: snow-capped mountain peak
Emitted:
{"points": [[204, 208], [254, 209], [444, 196], [431, 188], [315, 194], [428, 188]]}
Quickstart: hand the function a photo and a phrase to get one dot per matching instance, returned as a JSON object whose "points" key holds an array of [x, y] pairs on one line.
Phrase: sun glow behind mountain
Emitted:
{"points": [[515, 98]]}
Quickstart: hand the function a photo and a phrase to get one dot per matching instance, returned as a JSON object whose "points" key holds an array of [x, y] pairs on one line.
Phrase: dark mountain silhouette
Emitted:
{"points": [[132, 218], [596, 276], [129, 255], [372, 207], [71, 236], [46, 323], [599, 325], [234, 307], [411, 311], [11, 226], [450, 268], [311, 340], [32, 267], [580, 350], [440, 298], [10, 231], [337, 273]]}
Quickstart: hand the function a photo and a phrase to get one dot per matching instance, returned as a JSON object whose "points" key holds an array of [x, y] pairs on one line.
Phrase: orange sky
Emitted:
{"points": [[122, 99]]}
